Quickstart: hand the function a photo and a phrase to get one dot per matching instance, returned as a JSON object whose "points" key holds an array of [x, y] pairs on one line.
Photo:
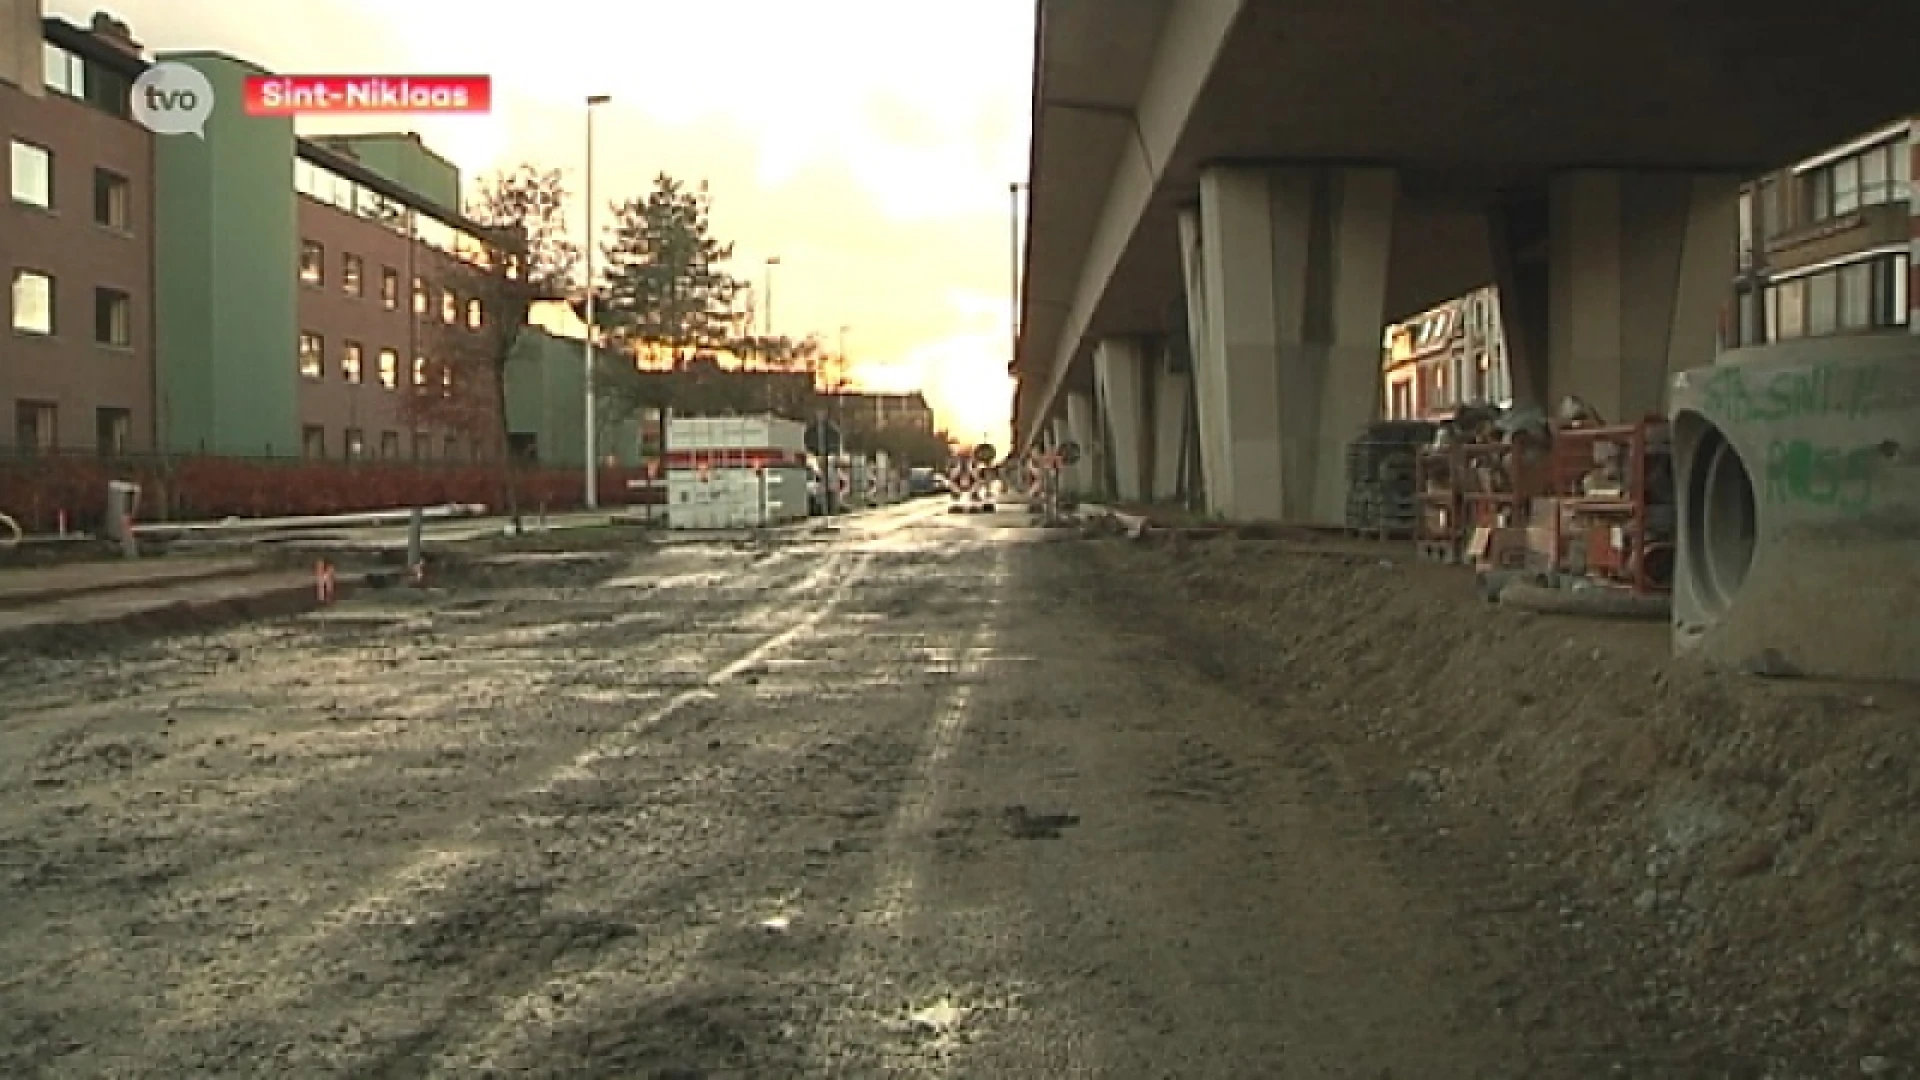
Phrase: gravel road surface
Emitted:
{"points": [[905, 800]]}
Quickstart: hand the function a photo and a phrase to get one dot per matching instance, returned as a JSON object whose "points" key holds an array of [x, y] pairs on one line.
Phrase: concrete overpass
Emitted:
{"points": [[1229, 198]]}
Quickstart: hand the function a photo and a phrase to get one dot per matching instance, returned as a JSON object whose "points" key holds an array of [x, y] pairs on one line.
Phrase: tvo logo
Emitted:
{"points": [[172, 99]]}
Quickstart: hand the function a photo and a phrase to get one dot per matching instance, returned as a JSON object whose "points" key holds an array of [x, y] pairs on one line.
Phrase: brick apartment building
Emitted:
{"points": [[252, 294], [76, 239], [1827, 245], [1451, 355], [375, 303]]}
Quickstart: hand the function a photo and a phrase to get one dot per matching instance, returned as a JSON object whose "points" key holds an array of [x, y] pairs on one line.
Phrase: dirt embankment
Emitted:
{"points": [[1738, 859]]}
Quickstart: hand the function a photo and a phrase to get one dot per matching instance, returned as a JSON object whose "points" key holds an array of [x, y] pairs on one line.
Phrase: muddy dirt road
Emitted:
{"points": [[902, 801]]}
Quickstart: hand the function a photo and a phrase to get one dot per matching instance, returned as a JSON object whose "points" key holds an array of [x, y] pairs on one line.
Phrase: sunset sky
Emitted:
{"points": [[868, 144]]}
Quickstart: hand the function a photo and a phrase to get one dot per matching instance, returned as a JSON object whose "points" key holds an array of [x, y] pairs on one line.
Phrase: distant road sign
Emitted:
{"points": [[1070, 453], [985, 453]]}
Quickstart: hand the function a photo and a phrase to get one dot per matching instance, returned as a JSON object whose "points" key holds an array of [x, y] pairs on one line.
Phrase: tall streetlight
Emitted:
{"points": [[1013, 226], [593, 450], [766, 317]]}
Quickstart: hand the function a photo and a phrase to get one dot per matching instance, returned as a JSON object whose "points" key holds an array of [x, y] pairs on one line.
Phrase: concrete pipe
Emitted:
{"points": [[1798, 474]]}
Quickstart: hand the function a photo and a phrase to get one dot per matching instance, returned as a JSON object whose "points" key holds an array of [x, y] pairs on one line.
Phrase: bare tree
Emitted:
{"points": [[523, 256]]}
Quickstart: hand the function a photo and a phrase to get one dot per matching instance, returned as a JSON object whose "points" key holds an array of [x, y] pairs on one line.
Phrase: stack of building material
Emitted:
{"points": [[1380, 477]]}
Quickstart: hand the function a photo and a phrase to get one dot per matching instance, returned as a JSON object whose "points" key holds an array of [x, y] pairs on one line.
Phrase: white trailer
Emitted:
{"points": [[735, 472]]}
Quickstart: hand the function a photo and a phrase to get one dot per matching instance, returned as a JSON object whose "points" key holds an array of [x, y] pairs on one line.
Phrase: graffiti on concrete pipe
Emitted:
{"points": [[1824, 390], [1808, 474]]}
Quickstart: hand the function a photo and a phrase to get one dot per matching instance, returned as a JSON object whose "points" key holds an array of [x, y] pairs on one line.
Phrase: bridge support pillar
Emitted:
{"points": [[1119, 372], [1286, 272], [1080, 420], [1613, 283], [1171, 400]]}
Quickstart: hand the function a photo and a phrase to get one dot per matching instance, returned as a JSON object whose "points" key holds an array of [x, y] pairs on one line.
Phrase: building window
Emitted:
{"points": [[313, 352], [449, 307], [450, 447], [36, 426], [33, 302], [389, 445], [313, 262], [419, 371], [1845, 186], [1867, 294], [1771, 209], [1823, 304], [353, 358], [389, 368], [350, 275], [110, 195], [1790, 309], [419, 297], [64, 73], [313, 442], [112, 431], [32, 175], [112, 317], [1890, 300], [422, 446], [1877, 175], [474, 315], [446, 380], [390, 288], [356, 444], [1856, 296]]}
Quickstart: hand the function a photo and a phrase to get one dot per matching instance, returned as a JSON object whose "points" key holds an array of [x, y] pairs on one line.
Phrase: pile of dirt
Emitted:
{"points": [[1747, 852]]}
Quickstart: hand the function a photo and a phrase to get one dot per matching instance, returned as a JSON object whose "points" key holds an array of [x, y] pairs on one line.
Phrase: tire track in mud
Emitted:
{"points": [[220, 858], [710, 986], [703, 990], [872, 1024], [283, 977]]}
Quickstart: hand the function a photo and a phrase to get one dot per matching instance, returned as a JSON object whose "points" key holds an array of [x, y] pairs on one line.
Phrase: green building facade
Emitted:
{"points": [[226, 309], [547, 398], [227, 292]]}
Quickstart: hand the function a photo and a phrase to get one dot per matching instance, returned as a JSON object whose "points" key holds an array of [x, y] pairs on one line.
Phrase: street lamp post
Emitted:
{"points": [[766, 317], [586, 337], [1013, 227]]}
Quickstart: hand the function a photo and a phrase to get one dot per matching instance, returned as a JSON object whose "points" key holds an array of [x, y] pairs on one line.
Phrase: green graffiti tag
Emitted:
{"points": [[1802, 472], [1823, 390]]}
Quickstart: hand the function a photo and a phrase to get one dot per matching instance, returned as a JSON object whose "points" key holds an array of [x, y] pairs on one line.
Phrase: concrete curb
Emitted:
{"points": [[15, 601], [179, 612]]}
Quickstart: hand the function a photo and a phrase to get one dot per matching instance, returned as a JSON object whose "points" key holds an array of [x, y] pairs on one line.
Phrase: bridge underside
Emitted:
{"points": [[1249, 189]]}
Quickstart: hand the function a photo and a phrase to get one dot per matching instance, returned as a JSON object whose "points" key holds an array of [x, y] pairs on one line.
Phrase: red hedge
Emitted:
{"points": [[34, 490]]}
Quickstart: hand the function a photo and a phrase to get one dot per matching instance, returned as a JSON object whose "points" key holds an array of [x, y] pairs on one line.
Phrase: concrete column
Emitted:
{"points": [[1170, 402], [1518, 230], [1080, 477], [1293, 277], [1208, 404], [1638, 269], [1119, 370]]}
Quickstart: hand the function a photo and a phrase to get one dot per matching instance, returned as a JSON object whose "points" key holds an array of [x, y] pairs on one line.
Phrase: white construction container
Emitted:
{"points": [[692, 434], [735, 498], [735, 472]]}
